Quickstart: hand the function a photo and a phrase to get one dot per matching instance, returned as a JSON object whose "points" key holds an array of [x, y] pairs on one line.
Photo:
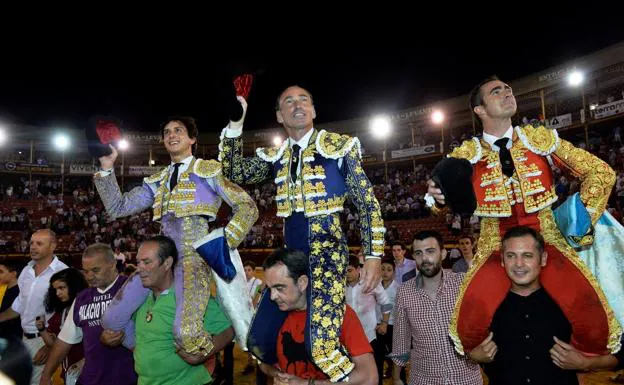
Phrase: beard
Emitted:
{"points": [[429, 270]]}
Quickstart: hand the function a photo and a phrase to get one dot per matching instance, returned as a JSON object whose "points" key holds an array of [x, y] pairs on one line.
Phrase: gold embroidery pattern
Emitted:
{"points": [[283, 208], [552, 236], [316, 172], [469, 149], [328, 261], [181, 202], [597, 178], [282, 174], [540, 140], [157, 177], [239, 169], [361, 191], [499, 209], [207, 168], [194, 338], [489, 178], [497, 192], [534, 203], [273, 154], [243, 207], [334, 146], [282, 192], [316, 189], [531, 185], [322, 206], [488, 243]]}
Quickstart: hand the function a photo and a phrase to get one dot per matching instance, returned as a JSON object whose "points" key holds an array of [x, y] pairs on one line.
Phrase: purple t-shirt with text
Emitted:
{"points": [[103, 365]]}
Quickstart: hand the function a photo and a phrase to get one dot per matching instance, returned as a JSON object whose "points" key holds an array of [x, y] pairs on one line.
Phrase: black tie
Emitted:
{"points": [[505, 156], [174, 177], [294, 162]]}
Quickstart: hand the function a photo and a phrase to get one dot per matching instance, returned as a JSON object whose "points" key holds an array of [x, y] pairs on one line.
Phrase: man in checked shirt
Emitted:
{"points": [[423, 310]]}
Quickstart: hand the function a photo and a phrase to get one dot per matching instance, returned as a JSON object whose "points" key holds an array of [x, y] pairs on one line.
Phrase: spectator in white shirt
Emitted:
{"points": [[365, 307], [254, 286], [385, 340], [33, 283]]}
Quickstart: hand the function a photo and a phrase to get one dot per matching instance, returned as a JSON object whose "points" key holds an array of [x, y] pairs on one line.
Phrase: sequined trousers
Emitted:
{"points": [[328, 254], [192, 287]]}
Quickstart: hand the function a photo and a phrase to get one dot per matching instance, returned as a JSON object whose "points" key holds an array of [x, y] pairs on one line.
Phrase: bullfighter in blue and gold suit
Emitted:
{"points": [[185, 197], [314, 171]]}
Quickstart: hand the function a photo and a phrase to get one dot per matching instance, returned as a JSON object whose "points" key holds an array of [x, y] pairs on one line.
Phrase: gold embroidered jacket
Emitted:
{"points": [[200, 191], [331, 170], [534, 150]]}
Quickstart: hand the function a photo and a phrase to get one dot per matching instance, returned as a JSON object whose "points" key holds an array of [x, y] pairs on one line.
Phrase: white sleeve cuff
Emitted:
{"points": [[17, 305], [103, 173], [70, 333], [429, 200], [234, 130]]}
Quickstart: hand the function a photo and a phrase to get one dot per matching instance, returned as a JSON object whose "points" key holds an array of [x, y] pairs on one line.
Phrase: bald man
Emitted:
{"points": [[33, 284]]}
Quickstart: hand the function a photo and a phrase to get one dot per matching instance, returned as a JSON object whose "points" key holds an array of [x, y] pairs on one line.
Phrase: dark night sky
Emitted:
{"points": [[353, 72]]}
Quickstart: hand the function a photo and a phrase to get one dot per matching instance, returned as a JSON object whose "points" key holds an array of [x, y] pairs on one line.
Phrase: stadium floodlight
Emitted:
{"points": [[61, 141], [575, 78], [123, 144], [437, 117], [3, 136], [380, 126]]}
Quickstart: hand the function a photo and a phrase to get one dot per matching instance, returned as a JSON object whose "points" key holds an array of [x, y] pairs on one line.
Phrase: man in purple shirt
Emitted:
{"points": [[103, 365]]}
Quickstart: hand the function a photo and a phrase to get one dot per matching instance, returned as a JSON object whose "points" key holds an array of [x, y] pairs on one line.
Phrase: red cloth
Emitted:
{"points": [[107, 131], [291, 353], [242, 84]]}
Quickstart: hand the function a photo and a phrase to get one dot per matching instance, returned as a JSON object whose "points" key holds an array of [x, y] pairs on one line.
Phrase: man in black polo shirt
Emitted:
{"points": [[530, 335]]}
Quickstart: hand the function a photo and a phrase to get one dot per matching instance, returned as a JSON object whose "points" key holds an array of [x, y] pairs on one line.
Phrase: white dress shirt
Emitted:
{"points": [[33, 289], [490, 139], [365, 306]]}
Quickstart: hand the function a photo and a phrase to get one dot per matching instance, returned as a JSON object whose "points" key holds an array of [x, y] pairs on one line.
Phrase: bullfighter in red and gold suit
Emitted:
{"points": [[513, 183]]}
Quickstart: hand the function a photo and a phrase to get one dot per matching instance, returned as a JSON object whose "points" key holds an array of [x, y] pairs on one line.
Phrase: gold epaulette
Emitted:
{"points": [[157, 177], [207, 168], [334, 146], [540, 140], [469, 150], [272, 154]]}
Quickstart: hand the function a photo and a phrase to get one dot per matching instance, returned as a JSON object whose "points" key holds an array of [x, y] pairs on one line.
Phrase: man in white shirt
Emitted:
{"points": [[365, 306], [33, 283]]}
